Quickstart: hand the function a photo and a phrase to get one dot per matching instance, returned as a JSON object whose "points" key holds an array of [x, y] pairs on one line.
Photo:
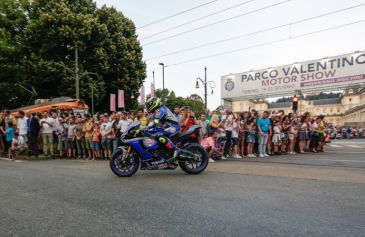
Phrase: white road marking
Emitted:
{"points": [[346, 152], [7, 159], [355, 146], [333, 145], [362, 161]]}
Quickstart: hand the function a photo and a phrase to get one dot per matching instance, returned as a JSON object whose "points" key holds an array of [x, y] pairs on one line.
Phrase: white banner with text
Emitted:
{"points": [[316, 75]]}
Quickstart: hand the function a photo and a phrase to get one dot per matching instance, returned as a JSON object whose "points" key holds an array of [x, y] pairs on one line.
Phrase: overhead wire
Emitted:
{"points": [[256, 32], [196, 19], [264, 44], [176, 14], [217, 22]]}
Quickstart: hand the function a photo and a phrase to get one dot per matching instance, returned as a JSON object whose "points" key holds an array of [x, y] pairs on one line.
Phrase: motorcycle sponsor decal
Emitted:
{"points": [[172, 130], [149, 142], [163, 166], [157, 162]]}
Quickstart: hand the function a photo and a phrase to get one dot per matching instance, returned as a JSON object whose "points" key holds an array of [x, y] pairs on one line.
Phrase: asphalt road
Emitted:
{"points": [[339, 153], [234, 198]]}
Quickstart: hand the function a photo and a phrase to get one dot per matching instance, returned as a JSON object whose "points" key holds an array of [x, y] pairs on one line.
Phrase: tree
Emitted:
{"points": [[13, 19], [52, 31], [322, 95], [319, 96], [194, 101], [220, 109]]}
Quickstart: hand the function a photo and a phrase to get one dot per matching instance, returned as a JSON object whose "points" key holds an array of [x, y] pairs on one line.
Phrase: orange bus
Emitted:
{"points": [[57, 104]]}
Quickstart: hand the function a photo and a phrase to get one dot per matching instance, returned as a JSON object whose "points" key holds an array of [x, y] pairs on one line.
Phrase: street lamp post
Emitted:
{"points": [[77, 86], [205, 84], [163, 82]]}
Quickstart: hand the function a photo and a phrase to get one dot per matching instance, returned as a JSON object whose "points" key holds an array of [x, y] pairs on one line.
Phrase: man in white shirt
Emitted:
{"points": [[124, 122], [22, 126], [227, 120], [55, 129], [47, 124]]}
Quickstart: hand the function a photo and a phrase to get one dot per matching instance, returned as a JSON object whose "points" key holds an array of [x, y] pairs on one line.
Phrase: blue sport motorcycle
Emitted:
{"points": [[140, 149]]}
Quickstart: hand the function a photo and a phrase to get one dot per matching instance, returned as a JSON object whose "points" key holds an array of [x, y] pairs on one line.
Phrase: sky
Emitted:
{"points": [[183, 68]]}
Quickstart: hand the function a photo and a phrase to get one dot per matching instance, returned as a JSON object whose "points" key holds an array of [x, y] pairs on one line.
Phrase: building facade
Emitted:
{"points": [[347, 110]]}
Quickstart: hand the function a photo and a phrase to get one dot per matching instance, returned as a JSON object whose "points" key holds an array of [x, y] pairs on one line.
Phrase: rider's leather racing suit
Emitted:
{"points": [[166, 120]]}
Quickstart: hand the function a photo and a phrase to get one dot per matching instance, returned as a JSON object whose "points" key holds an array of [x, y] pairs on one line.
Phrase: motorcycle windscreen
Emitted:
{"points": [[150, 143]]}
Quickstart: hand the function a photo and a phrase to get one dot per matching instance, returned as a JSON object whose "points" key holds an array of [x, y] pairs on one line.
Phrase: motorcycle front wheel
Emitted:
{"points": [[201, 163], [124, 164]]}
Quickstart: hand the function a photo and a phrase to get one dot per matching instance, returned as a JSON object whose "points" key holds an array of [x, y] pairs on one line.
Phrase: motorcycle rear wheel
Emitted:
{"points": [[122, 164], [191, 167]]}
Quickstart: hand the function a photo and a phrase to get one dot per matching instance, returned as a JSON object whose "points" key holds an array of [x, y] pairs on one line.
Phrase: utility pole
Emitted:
{"points": [[153, 77], [77, 83], [205, 88], [78, 76], [163, 82]]}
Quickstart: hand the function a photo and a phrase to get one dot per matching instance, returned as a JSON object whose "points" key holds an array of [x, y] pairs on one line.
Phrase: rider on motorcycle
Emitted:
{"points": [[165, 119]]}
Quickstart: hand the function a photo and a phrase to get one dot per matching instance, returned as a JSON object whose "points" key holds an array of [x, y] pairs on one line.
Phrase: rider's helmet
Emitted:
{"points": [[152, 104]]}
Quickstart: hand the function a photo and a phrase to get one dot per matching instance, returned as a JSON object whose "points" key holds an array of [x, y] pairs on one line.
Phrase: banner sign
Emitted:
{"points": [[315, 75], [143, 96], [112, 102], [121, 99]]}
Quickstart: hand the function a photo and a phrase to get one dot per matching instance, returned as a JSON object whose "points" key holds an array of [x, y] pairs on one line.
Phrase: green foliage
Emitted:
{"points": [[194, 101], [319, 96], [283, 100], [38, 40], [323, 96]]}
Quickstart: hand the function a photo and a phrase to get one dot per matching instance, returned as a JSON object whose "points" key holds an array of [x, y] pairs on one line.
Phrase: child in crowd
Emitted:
{"points": [[209, 145], [9, 134], [96, 141], [276, 137], [285, 127], [80, 139], [62, 137], [293, 132], [71, 139], [18, 144], [251, 138], [235, 133], [242, 136]]}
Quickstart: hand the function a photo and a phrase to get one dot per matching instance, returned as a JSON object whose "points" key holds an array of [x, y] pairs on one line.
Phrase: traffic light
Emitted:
{"points": [[295, 103]]}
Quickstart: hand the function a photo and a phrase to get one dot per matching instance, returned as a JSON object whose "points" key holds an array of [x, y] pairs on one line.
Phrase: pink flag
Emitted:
{"points": [[112, 102], [143, 96], [121, 99], [153, 92]]}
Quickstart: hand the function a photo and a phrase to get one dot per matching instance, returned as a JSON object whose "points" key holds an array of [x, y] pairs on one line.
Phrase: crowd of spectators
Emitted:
{"points": [[229, 135]]}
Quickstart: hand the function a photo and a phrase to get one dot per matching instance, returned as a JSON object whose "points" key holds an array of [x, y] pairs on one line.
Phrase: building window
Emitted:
{"points": [[350, 99], [338, 110], [331, 110]]}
